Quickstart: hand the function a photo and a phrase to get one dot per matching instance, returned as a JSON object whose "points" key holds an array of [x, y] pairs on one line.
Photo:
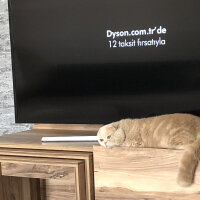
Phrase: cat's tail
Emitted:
{"points": [[188, 164]]}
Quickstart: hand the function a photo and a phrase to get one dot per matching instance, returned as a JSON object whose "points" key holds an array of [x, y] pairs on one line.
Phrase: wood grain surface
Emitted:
{"points": [[1, 184], [15, 188], [32, 140], [125, 194], [72, 171], [80, 182], [39, 171], [57, 190], [45, 153], [28, 145], [87, 157], [34, 188], [140, 170], [40, 161]]}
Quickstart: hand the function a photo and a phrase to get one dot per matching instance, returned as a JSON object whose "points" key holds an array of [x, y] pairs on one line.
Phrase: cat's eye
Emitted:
{"points": [[109, 137], [101, 140]]}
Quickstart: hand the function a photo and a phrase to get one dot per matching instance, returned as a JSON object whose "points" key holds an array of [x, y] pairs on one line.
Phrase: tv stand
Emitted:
{"points": [[32, 170]]}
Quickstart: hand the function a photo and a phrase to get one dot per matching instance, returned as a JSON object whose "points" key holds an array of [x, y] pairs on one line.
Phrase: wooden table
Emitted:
{"points": [[32, 170]]}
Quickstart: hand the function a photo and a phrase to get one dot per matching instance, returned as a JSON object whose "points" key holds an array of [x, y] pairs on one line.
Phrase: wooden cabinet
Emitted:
{"points": [[140, 173], [70, 172], [31, 170]]}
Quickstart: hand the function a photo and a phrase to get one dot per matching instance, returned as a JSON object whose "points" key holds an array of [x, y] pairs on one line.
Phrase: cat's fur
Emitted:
{"points": [[174, 131]]}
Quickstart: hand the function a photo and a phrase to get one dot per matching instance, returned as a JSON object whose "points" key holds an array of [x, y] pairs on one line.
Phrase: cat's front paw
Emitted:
{"points": [[184, 180]]}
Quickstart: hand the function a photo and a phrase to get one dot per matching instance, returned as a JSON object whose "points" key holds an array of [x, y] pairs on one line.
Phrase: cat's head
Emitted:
{"points": [[111, 135]]}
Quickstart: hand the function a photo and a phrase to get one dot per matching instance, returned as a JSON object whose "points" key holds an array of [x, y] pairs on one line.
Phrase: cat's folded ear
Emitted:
{"points": [[115, 125]]}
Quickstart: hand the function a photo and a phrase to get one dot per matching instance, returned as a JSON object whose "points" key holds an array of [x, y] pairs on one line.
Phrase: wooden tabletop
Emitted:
{"points": [[32, 140]]}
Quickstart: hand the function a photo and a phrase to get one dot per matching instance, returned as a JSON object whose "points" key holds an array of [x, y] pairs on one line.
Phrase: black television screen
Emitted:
{"points": [[97, 61]]}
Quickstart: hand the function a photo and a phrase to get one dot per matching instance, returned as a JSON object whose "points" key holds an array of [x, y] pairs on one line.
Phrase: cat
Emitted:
{"points": [[173, 131]]}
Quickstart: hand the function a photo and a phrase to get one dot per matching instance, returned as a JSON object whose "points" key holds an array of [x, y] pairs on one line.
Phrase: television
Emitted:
{"points": [[98, 61]]}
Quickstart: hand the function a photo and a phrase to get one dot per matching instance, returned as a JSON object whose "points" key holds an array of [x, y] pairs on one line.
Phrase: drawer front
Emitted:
{"points": [[87, 157], [60, 178], [39, 171]]}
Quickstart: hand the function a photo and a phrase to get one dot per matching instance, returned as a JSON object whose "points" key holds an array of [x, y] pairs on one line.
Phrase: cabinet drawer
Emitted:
{"points": [[87, 157], [42, 171], [69, 172]]}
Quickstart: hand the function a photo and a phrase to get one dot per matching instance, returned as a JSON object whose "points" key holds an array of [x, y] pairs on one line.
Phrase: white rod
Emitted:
{"points": [[70, 139]]}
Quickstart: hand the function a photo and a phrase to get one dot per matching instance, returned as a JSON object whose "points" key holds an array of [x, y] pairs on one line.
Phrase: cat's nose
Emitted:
{"points": [[105, 142]]}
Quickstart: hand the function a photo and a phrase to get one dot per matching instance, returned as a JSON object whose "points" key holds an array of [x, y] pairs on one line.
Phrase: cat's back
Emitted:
{"points": [[176, 120], [166, 120], [177, 117], [159, 130]]}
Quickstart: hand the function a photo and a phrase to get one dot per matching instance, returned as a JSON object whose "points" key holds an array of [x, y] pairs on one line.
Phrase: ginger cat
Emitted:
{"points": [[173, 131]]}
